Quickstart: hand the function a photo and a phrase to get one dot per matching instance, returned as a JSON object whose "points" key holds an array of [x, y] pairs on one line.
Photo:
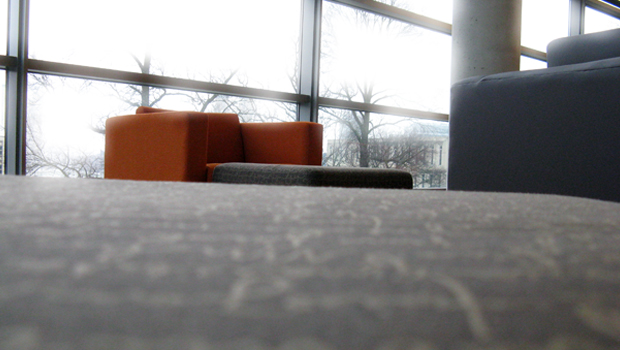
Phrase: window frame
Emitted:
{"points": [[18, 66]]}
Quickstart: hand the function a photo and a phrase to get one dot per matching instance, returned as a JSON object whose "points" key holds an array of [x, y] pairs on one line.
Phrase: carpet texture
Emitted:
{"points": [[102, 264]]}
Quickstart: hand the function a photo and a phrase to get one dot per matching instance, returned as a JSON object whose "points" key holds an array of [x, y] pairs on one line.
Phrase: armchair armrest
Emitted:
{"points": [[553, 130], [583, 48], [283, 143], [169, 146]]}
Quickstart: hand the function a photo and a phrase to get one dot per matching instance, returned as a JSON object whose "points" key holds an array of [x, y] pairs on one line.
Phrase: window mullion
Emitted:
{"points": [[16, 87], [576, 17], [309, 59]]}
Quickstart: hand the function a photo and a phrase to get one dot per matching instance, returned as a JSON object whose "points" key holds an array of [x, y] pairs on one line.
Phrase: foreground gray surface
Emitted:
{"points": [[95, 264]]}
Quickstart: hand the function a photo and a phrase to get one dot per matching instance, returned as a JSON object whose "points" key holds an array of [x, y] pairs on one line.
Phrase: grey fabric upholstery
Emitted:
{"points": [[124, 265], [305, 175], [554, 130], [584, 48]]}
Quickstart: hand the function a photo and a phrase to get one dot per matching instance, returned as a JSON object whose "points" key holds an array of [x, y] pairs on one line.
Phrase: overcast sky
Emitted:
{"points": [[205, 39]]}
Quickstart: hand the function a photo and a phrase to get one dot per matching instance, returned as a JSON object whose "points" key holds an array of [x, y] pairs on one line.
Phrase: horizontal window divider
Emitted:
{"points": [[397, 13], [532, 53], [8, 62], [604, 7], [381, 109], [116, 76], [612, 2]]}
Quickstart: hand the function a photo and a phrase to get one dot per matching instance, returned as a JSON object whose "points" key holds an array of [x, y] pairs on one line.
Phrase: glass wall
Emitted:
{"points": [[238, 42], [543, 21], [384, 67], [241, 43], [596, 21], [374, 59], [369, 58], [3, 25], [66, 119], [364, 139], [437, 9]]}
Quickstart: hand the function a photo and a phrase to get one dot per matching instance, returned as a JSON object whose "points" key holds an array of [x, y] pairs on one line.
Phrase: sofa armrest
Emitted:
{"points": [[553, 130], [168, 146], [283, 143], [583, 48]]}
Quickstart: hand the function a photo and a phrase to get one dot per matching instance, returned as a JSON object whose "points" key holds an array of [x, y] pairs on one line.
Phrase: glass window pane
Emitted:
{"points": [[363, 139], [4, 24], [597, 21], [372, 59], [66, 119], [437, 9], [240, 42], [543, 21], [528, 63]]}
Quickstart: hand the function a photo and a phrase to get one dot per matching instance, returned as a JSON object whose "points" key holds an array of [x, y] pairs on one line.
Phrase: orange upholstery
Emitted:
{"points": [[224, 139], [210, 169], [157, 144], [283, 143], [144, 109]]}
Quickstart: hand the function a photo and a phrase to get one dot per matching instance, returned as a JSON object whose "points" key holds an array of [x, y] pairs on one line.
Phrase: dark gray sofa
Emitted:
{"points": [[125, 265], [555, 130]]}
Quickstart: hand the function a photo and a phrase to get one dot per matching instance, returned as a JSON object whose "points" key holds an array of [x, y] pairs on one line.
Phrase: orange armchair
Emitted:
{"points": [[162, 145]]}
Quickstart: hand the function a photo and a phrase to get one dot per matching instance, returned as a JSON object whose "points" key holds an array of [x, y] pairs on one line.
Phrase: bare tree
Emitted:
{"points": [[71, 162], [360, 136], [412, 148], [68, 162], [54, 160], [358, 124], [361, 128]]}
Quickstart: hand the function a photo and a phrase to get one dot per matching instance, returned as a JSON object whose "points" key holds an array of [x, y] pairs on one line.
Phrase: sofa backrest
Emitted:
{"points": [[144, 109], [584, 48], [224, 141], [283, 143]]}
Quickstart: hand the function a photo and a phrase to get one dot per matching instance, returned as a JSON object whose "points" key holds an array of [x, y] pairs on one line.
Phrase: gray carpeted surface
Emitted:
{"points": [[99, 264]]}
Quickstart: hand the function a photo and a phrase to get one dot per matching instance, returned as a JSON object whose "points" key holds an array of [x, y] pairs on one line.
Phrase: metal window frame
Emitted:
{"points": [[397, 13], [615, 3], [117, 76], [576, 18], [402, 15], [310, 54], [18, 66], [609, 7], [16, 87]]}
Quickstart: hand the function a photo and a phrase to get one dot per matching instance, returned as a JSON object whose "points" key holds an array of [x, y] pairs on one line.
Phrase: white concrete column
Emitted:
{"points": [[486, 37]]}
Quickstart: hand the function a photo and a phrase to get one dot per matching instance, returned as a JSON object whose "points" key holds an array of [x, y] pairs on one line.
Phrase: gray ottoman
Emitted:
{"points": [[308, 175]]}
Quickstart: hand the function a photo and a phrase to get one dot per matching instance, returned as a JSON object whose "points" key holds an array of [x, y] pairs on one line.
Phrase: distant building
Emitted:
{"points": [[425, 156]]}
